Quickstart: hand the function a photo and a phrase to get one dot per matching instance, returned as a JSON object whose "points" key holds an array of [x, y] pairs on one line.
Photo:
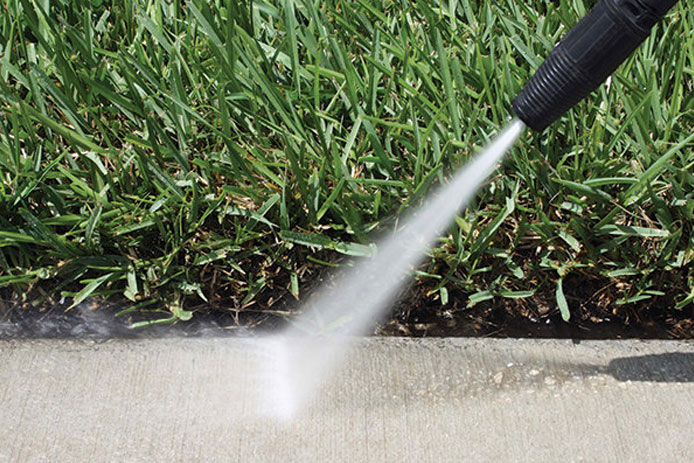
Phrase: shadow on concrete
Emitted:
{"points": [[671, 367]]}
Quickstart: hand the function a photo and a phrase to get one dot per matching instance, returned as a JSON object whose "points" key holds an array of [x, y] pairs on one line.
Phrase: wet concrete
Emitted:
{"points": [[395, 400]]}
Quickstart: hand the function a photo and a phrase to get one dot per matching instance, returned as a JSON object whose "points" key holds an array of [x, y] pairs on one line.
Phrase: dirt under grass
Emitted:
{"points": [[415, 314]]}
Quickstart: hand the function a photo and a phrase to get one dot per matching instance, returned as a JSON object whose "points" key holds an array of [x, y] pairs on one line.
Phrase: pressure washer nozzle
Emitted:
{"points": [[583, 60]]}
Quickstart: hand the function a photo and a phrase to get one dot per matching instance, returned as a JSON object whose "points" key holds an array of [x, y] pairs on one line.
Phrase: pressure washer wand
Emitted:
{"points": [[583, 60]]}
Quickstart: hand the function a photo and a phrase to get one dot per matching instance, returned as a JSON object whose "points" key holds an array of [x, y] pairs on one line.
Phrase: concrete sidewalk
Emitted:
{"points": [[396, 400]]}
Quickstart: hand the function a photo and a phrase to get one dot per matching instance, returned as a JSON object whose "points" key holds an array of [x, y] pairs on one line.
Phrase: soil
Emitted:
{"points": [[532, 318], [414, 314]]}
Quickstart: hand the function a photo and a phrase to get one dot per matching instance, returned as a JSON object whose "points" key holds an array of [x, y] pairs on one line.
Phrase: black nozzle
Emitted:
{"points": [[589, 53]]}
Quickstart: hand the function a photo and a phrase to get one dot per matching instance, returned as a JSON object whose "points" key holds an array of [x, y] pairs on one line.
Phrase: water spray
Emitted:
{"points": [[301, 358]]}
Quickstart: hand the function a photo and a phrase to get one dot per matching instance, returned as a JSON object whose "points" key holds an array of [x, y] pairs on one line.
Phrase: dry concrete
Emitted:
{"points": [[396, 400]]}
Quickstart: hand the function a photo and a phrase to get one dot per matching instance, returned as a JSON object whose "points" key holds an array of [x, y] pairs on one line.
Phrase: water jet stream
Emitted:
{"points": [[299, 359]]}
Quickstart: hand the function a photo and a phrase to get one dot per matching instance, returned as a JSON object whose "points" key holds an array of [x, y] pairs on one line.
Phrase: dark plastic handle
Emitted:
{"points": [[589, 53]]}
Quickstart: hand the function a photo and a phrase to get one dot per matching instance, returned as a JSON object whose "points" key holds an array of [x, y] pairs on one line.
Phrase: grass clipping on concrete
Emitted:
{"points": [[220, 154]]}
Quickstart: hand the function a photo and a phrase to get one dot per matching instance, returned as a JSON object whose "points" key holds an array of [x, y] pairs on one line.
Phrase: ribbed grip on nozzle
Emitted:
{"points": [[588, 54]]}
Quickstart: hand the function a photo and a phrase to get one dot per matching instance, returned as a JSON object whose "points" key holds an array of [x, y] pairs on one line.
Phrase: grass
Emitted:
{"points": [[217, 154]]}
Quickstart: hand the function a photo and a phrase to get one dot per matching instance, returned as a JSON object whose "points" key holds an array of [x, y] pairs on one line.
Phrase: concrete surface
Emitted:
{"points": [[396, 400]]}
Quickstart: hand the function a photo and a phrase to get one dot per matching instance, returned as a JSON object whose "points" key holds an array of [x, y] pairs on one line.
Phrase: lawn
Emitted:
{"points": [[221, 155]]}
